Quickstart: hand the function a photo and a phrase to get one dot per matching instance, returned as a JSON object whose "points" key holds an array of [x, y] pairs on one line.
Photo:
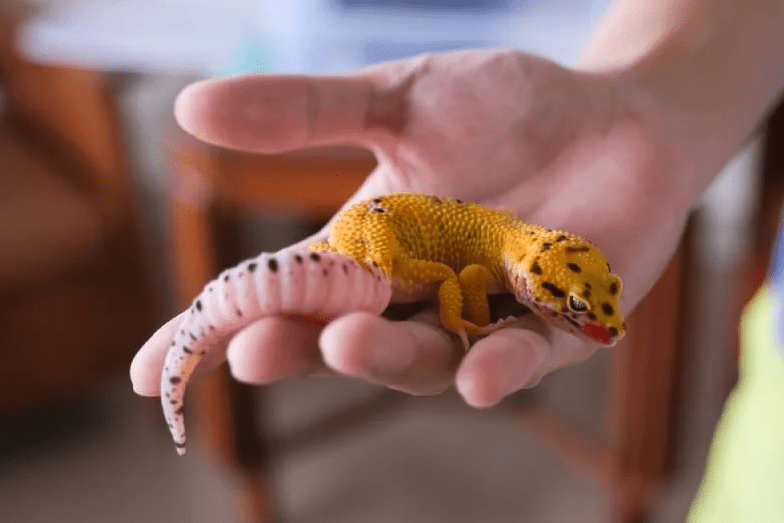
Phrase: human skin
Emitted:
{"points": [[617, 150]]}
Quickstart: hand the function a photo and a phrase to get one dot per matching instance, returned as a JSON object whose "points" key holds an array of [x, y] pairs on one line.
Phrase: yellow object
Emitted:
{"points": [[744, 479], [436, 246]]}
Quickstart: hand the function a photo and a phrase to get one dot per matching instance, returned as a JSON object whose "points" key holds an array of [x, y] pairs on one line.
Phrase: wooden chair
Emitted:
{"points": [[644, 367], [74, 295]]}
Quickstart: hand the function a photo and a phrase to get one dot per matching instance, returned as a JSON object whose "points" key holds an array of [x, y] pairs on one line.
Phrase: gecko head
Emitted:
{"points": [[567, 281]]}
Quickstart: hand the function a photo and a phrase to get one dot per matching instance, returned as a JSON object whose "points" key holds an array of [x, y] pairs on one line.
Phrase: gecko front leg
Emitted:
{"points": [[291, 281]]}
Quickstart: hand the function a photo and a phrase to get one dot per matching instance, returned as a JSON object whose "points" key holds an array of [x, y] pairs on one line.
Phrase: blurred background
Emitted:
{"points": [[111, 219]]}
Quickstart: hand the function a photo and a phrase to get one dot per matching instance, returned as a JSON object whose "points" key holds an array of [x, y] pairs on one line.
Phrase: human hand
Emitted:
{"points": [[569, 150]]}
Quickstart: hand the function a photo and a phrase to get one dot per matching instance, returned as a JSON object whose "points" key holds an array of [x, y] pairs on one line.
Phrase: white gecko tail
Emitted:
{"points": [[290, 281]]}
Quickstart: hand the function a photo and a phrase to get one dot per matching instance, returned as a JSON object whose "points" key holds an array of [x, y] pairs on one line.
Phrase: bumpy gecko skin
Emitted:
{"points": [[401, 248]]}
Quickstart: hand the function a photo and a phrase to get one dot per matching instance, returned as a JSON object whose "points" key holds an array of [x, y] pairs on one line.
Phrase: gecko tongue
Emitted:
{"points": [[596, 332]]}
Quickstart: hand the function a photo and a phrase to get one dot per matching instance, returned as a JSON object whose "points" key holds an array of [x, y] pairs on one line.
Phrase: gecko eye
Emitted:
{"points": [[576, 304]]}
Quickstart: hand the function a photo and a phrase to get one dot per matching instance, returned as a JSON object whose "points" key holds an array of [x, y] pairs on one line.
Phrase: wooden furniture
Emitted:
{"points": [[632, 465], [209, 181], [74, 299]]}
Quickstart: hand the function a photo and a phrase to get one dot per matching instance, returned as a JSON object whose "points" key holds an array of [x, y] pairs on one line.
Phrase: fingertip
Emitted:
{"points": [[186, 105], [272, 349], [147, 364], [366, 345], [499, 365]]}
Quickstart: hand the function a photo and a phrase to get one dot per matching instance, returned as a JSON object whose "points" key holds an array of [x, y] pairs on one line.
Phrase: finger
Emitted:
{"points": [[414, 356], [147, 365], [501, 364], [275, 113], [274, 348]]}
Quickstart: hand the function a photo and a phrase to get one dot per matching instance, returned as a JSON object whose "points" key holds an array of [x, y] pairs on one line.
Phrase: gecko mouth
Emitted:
{"points": [[597, 333]]}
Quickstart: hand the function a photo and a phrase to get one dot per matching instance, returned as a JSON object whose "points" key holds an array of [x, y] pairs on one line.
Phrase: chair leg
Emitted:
{"points": [[224, 408], [643, 401]]}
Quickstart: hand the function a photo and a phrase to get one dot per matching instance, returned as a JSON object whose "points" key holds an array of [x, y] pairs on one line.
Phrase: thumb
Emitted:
{"points": [[274, 113]]}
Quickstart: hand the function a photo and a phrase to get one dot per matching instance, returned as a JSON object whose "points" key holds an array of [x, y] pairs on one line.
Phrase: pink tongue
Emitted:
{"points": [[596, 332]]}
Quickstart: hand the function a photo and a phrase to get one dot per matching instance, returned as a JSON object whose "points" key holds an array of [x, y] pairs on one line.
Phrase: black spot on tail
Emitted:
{"points": [[180, 411], [179, 445], [315, 256], [272, 263], [187, 350], [174, 380], [198, 305], [252, 266], [298, 258]]}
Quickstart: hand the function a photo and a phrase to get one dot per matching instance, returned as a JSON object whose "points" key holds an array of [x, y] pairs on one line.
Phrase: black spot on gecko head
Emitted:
{"points": [[554, 290], [607, 309], [536, 268], [613, 288], [561, 238], [613, 332], [315, 256], [546, 246], [272, 263], [574, 267], [582, 248], [591, 316]]}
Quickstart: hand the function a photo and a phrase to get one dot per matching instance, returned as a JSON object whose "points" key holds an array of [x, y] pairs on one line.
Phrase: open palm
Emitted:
{"points": [[560, 148]]}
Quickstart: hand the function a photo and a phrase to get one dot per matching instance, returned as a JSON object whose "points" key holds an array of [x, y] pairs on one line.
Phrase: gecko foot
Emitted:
{"points": [[500, 324]]}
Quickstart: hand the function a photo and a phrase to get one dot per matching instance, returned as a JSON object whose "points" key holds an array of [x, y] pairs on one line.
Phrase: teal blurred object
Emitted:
{"points": [[253, 56]]}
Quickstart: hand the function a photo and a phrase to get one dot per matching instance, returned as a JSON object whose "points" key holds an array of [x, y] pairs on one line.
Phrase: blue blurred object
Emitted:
{"points": [[341, 35], [211, 37], [462, 5]]}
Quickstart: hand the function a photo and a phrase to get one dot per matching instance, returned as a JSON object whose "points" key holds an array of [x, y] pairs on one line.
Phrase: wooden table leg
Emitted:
{"points": [[643, 402], [224, 409]]}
